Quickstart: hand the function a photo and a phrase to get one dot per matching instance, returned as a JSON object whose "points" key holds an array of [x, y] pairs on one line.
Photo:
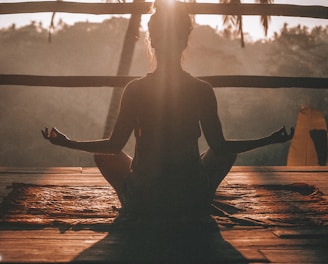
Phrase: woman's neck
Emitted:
{"points": [[169, 67]]}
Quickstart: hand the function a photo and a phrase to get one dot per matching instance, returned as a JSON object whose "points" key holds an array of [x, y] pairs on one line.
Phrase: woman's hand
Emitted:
{"points": [[281, 135], [55, 136]]}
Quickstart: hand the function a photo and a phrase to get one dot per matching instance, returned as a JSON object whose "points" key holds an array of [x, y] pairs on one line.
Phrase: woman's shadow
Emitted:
{"points": [[162, 242]]}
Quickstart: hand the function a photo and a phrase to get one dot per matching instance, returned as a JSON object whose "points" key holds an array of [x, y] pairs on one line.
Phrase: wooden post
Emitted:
{"points": [[131, 37]]}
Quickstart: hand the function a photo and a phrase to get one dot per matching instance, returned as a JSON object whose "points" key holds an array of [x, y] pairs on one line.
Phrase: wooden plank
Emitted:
{"points": [[301, 169], [54, 233], [195, 8], [323, 189], [253, 255], [305, 255], [95, 170], [16, 240], [57, 178], [253, 243], [301, 233], [38, 170], [90, 170], [71, 7], [64, 81], [250, 244], [217, 81], [259, 9], [243, 233], [283, 176], [50, 179], [48, 245], [274, 238]]}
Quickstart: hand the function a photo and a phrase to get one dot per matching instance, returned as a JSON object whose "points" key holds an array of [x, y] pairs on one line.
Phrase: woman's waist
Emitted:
{"points": [[164, 165]]}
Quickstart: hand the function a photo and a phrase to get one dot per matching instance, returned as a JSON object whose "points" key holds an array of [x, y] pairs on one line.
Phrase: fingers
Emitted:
{"points": [[282, 134], [283, 131], [45, 133], [292, 132], [286, 135], [53, 132]]}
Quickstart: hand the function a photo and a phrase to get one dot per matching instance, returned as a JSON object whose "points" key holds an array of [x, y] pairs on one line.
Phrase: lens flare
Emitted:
{"points": [[165, 3]]}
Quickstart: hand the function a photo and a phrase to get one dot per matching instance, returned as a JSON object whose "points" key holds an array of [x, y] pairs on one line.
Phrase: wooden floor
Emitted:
{"points": [[237, 244]]}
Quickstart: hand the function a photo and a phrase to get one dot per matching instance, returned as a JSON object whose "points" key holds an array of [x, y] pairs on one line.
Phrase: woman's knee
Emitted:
{"points": [[99, 159], [231, 158], [117, 164], [212, 160]]}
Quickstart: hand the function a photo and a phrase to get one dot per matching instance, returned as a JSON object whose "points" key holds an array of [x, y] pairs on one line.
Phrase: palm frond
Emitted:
{"points": [[52, 25], [265, 20], [234, 21]]}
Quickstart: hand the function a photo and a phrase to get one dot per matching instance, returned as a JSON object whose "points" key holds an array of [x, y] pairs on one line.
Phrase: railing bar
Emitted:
{"points": [[217, 81], [313, 11]]}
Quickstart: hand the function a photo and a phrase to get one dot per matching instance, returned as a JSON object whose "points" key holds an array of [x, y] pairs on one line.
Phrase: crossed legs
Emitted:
{"points": [[216, 167], [115, 168]]}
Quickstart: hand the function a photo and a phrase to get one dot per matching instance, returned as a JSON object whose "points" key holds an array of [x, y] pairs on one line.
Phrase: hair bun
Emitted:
{"points": [[171, 16]]}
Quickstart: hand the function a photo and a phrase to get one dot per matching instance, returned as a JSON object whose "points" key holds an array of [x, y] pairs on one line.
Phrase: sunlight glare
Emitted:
{"points": [[165, 2], [170, 2]]}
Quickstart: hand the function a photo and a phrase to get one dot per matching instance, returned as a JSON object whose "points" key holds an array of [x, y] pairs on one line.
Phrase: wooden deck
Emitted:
{"points": [[224, 244]]}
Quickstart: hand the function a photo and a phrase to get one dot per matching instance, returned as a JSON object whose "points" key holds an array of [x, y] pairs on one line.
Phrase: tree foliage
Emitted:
{"points": [[237, 21], [301, 52]]}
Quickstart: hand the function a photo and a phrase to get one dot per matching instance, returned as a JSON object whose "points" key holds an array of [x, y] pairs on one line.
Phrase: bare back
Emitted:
{"points": [[167, 122]]}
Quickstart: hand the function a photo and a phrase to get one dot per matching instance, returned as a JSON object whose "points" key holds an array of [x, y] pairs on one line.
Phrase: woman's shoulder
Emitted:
{"points": [[138, 82], [197, 82], [199, 86], [132, 88], [188, 79]]}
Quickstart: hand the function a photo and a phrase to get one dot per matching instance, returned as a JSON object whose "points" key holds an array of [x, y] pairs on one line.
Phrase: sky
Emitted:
{"points": [[251, 23]]}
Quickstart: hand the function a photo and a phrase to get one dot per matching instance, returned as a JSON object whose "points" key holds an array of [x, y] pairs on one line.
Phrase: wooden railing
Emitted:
{"points": [[145, 7], [120, 81], [320, 12]]}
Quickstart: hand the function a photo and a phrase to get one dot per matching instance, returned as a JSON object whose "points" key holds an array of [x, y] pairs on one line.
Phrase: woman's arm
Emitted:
{"points": [[102, 146], [279, 136], [212, 128], [112, 145]]}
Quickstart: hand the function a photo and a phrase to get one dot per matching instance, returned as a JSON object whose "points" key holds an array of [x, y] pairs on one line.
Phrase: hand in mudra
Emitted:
{"points": [[281, 135], [55, 136]]}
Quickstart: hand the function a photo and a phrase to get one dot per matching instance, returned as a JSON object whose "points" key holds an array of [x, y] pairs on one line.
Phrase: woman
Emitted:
{"points": [[167, 110]]}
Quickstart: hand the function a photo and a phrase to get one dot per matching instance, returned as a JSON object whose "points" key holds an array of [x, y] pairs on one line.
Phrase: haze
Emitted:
{"points": [[94, 49]]}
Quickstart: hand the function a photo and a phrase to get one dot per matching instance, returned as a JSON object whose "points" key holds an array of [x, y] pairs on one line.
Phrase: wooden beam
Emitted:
{"points": [[64, 81], [266, 81], [260, 9], [120, 81], [144, 8], [75, 7]]}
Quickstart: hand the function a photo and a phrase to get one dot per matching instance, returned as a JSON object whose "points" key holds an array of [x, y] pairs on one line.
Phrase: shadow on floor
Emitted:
{"points": [[163, 243]]}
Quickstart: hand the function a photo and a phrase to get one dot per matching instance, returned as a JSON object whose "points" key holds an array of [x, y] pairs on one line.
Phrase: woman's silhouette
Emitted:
{"points": [[167, 110]]}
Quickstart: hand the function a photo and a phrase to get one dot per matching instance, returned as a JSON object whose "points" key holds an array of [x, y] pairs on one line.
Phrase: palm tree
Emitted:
{"points": [[52, 26], [237, 21], [265, 20]]}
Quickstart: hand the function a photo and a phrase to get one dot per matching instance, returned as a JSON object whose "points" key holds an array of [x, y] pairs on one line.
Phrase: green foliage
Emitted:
{"points": [[299, 51]]}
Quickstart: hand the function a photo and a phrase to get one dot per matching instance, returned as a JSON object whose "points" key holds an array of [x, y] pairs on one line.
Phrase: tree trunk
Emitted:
{"points": [[131, 37], [241, 29]]}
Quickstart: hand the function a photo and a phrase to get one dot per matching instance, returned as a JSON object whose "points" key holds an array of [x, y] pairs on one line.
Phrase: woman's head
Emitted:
{"points": [[169, 28]]}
